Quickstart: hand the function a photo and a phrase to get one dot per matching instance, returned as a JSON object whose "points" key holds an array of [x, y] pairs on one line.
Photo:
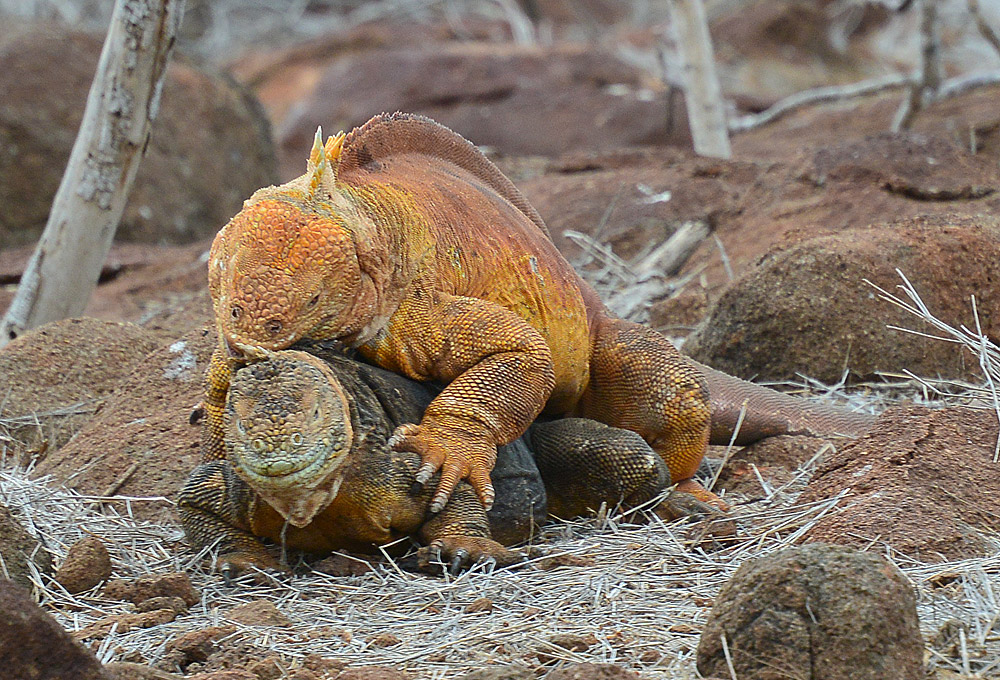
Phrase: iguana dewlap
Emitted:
{"points": [[405, 242]]}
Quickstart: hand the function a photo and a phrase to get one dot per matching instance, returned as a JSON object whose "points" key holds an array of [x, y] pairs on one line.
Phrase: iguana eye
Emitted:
{"points": [[240, 427], [236, 311], [314, 301], [315, 413]]}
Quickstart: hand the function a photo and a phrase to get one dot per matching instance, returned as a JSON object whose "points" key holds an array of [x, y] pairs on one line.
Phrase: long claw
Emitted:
{"points": [[458, 559], [424, 474], [438, 503]]}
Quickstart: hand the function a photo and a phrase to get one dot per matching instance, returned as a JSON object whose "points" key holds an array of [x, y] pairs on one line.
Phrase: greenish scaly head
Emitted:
{"points": [[288, 431]]}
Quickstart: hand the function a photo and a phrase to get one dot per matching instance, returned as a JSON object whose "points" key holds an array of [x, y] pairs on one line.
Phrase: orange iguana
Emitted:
{"points": [[404, 241]]}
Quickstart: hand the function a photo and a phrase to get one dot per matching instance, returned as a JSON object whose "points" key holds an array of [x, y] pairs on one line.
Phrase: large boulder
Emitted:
{"points": [[33, 646], [808, 310], [922, 481], [141, 442], [55, 377], [514, 99], [816, 612], [209, 149]]}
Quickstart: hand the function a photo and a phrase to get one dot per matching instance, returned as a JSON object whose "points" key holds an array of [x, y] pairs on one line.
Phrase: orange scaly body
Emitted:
{"points": [[405, 242]]}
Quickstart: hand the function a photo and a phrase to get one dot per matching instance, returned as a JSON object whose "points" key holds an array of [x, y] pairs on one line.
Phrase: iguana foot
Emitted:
{"points": [[457, 454], [694, 487], [232, 564], [459, 551]]}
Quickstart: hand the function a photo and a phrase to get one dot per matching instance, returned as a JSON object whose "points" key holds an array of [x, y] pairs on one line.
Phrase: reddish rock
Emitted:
{"points": [[778, 460], [175, 584], [816, 611], [922, 481], [209, 148], [592, 671], [517, 100], [34, 647], [17, 547], [807, 309], [372, 673], [63, 371], [145, 421], [87, 563], [258, 613]]}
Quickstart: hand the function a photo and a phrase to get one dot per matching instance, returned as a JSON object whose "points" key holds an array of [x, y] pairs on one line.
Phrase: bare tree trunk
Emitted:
{"points": [[123, 101], [702, 92]]}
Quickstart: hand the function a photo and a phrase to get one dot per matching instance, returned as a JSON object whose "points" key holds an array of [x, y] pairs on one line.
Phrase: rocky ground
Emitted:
{"points": [[817, 211]]}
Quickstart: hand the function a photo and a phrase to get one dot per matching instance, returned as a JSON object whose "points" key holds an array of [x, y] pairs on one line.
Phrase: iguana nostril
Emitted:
{"points": [[274, 326]]}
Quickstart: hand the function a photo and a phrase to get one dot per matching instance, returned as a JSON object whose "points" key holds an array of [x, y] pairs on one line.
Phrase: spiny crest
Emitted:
{"points": [[323, 160]]}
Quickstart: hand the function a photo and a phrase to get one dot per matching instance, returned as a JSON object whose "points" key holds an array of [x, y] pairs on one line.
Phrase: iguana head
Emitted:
{"points": [[287, 431], [286, 266]]}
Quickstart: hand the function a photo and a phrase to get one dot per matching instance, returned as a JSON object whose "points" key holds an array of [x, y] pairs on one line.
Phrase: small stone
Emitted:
{"points": [[229, 674], [342, 565], [479, 606], [87, 563], [323, 667], [384, 640], [592, 671], [178, 605], [372, 673], [175, 584], [258, 613], [512, 672], [197, 645], [570, 641]]}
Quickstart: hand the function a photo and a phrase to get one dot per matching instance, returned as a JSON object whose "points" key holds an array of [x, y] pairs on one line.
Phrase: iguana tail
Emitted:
{"points": [[770, 413]]}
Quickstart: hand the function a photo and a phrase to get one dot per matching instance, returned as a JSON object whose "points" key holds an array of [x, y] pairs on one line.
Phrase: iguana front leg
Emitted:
{"points": [[499, 371], [460, 535], [217, 379], [213, 508]]}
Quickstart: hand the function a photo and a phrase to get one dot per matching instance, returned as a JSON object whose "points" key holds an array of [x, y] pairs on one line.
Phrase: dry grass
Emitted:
{"points": [[642, 591]]}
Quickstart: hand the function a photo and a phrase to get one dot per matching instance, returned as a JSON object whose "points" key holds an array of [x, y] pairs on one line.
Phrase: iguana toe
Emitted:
{"points": [[455, 552], [694, 488]]}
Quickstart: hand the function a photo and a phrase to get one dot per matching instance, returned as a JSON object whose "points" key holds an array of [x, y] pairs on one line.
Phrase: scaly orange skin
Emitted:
{"points": [[403, 241]]}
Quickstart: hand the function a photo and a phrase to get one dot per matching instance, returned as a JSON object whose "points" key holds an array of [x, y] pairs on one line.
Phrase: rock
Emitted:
{"points": [[808, 310], [922, 481], [778, 460], [17, 547], [33, 646], [592, 671], [512, 672], [229, 674], [140, 590], [142, 441], [815, 611], [194, 646], [87, 563], [121, 670], [258, 613], [62, 372], [524, 100], [209, 147], [372, 673], [172, 603]]}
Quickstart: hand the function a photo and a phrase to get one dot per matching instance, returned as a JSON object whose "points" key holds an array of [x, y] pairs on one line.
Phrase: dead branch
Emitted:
{"points": [[122, 103], [985, 30], [703, 94], [924, 88], [816, 96]]}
